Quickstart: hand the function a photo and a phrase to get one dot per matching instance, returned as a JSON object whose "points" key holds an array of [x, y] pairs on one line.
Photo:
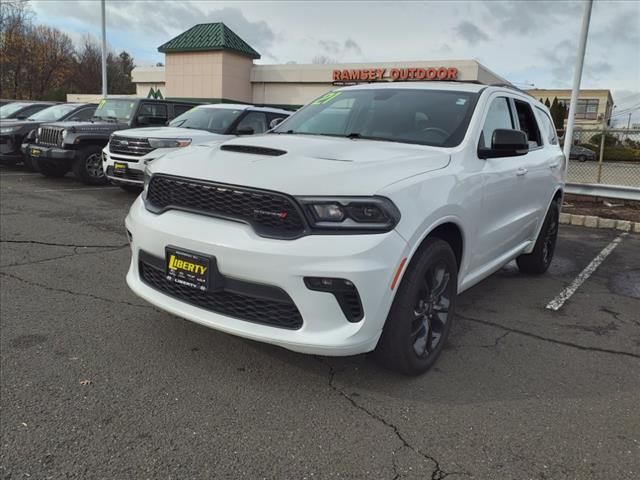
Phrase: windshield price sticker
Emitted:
{"points": [[326, 98]]}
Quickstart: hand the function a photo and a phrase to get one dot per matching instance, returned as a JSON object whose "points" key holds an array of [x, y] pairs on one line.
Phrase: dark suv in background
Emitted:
{"points": [[13, 133], [63, 146], [22, 109]]}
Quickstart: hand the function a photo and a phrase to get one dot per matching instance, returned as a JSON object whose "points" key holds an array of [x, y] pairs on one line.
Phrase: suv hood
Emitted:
{"points": [[312, 165], [167, 132], [88, 126], [7, 122]]}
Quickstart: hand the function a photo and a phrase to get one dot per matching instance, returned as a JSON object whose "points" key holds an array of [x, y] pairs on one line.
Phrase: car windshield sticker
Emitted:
{"points": [[461, 101], [326, 98]]}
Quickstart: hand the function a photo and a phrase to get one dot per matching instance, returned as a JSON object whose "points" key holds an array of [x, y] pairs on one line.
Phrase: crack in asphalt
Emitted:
{"points": [[71, 292], [436, 474], [616, 316], [53, 244], [550, 340], [75, 252]]}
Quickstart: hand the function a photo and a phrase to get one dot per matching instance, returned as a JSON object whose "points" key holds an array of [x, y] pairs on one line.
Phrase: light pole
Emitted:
{"points": [[104, 51], [577, 75]]}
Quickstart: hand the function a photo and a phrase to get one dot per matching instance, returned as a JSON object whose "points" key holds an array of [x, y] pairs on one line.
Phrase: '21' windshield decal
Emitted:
{"points": [[326, 98]]}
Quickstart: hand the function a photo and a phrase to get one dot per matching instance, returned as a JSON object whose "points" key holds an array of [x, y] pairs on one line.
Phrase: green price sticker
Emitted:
{"points": [[326, 98]]}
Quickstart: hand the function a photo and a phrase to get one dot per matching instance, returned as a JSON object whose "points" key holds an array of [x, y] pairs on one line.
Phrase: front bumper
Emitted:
{"points": [[134, 173], [9, 150], [49, 153], [369, 261]]}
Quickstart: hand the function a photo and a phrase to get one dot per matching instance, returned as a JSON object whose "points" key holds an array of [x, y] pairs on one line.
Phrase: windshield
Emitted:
{"points": [[53, 113], [115, 109], [427, 117], [217, 120], [10, 108]]}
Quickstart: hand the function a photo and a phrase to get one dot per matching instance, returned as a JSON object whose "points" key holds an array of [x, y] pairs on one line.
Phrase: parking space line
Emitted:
{"points": [[18, 174], [566, 294], [97, 189]]}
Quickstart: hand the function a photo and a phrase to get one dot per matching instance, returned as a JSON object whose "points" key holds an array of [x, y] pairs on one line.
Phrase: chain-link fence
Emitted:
{"points": [[610, 157]]}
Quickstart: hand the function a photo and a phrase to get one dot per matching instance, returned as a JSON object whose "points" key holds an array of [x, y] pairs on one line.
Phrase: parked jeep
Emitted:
{"points": [[63, 146], [13, 133]]}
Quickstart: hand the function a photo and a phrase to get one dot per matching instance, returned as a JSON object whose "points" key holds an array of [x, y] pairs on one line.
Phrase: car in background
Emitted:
{"points": [[21, 110], [581, 154], [13, 133], [63, 146], [127, 153]]}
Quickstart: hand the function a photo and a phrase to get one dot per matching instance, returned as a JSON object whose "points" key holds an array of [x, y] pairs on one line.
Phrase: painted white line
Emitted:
{"points": [[566, 294], [97, 189]]}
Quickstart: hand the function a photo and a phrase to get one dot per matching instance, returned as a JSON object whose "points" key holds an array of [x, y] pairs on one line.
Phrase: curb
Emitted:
{"points": [[599, 222]]}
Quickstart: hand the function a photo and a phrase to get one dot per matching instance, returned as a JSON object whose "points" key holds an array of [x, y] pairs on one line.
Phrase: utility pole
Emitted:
{"points": [[577, 76], [104, 51]]}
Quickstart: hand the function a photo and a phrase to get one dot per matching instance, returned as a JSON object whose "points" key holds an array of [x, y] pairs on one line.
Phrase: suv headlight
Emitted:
{"points": [[357, 214], [63, 137], [169, 142], [8, 129]]}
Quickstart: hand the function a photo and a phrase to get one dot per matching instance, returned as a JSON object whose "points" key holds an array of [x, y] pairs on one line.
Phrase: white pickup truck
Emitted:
{"points": [[128, 151]]}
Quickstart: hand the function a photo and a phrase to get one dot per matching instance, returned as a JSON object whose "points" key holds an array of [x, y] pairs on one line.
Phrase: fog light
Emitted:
{"points": [[343, 290]]}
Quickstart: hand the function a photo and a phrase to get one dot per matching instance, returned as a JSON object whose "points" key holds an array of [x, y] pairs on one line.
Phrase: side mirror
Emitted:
{"points": [[143, 120], [245, 131], [506, 143], [275, 122]]}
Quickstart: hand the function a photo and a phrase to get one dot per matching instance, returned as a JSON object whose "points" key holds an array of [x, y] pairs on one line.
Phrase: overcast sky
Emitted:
{"points": [[527, 42]]}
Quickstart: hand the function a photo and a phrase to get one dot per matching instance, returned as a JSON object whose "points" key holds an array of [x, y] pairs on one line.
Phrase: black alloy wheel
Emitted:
{"points": [[582, 158], [422, 313], [540, 258], [431, 312]]}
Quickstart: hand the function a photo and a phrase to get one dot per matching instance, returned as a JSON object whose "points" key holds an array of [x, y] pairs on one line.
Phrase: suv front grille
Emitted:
{"points": [[275, 313], [130, 146], [271, 214], [130, 174], [50, 136]]}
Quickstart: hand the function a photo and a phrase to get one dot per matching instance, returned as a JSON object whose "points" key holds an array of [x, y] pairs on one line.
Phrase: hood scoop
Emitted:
{"points": [[253, 149]]}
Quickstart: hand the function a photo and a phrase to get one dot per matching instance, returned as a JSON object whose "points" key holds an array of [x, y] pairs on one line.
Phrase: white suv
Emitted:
{"points": [[354, 224], [128, 151]]}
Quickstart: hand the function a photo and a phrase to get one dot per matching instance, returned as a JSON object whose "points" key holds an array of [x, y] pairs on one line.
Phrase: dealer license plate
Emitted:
{"points": [[119, 168], [35, 152], [188, 268]]}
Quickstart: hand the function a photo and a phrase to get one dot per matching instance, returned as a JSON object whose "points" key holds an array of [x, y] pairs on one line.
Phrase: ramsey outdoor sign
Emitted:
{"points": [[395, 74]]}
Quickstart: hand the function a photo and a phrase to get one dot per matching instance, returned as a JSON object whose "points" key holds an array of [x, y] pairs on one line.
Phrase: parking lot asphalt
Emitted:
{"points": [[97, 384]]}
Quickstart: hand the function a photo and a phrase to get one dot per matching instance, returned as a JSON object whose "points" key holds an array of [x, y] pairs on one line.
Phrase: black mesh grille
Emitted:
{"points": [[243, 307], [51, 136], [271, 214], [129, 146], [351, 306], [129, 175]]}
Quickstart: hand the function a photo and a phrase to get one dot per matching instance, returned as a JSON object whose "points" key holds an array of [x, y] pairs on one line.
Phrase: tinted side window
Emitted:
{"points": [[548, 130], [180, 109], [156, 113], [256, 121], [528, 123], [498, 116], [27, 112]]}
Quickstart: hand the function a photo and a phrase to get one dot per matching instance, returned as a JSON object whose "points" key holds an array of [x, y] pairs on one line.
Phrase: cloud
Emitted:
{"points": [[350, 44], [528, 17], [334, 51], [471, 33]]}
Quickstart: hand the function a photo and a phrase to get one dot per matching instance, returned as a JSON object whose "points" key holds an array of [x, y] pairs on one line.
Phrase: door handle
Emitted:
{"points": [[521, 171]]}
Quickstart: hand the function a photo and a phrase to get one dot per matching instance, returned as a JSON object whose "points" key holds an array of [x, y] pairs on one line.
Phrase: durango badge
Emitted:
{"points": [[280, 215]]}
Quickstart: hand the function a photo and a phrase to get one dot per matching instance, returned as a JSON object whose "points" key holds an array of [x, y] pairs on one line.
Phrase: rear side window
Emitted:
{"points": [[528, 123], [498, 117], [546, 125], [155, 112], [180, 109]]}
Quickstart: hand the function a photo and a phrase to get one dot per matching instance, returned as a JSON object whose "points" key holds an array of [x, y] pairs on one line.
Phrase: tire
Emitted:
{"points": [[582, 158], [88, 166], [50, 169], [27, 163], [131, 188], [538, 261], [420, 319]]}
